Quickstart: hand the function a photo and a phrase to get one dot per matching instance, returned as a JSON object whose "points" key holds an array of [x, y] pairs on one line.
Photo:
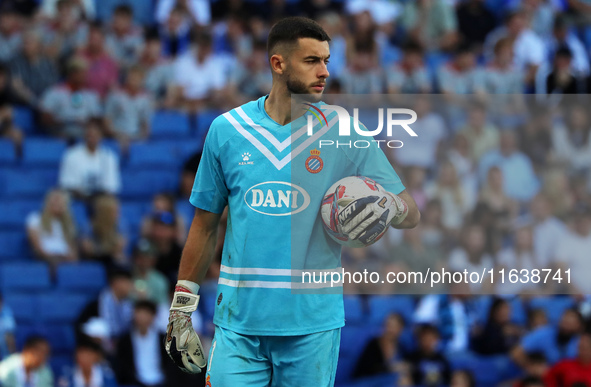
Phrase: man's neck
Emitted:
{"points": [[278, 105]]}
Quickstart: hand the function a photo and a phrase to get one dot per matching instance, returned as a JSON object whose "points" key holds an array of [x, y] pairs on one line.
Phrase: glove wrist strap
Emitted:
{"points": [[184, 302]]}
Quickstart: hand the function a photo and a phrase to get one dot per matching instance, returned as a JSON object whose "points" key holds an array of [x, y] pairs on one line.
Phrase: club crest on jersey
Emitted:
{"points": [[246, 159], [314, 163]]}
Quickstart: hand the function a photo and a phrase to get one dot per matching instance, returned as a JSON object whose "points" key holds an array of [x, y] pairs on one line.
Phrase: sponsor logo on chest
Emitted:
{"points": [[277, 198]]}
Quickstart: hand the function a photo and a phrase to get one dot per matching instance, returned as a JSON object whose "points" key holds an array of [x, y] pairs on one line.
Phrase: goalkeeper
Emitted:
{"points": [[265, 333]]}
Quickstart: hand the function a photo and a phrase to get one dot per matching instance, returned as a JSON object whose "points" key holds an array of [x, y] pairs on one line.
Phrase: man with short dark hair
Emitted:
{"points": [[268, 334], [28, 368]]}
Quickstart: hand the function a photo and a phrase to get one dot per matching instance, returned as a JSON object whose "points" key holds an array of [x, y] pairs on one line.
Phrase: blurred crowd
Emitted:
{"points": [[501, 181]]}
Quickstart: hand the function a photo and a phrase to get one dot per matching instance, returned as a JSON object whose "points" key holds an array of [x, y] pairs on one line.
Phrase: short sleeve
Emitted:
{"points": [[210, 192], [372, 162]]}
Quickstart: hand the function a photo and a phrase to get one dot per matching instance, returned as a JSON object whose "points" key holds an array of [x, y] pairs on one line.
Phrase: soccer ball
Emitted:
{"points": [[337, 208]]}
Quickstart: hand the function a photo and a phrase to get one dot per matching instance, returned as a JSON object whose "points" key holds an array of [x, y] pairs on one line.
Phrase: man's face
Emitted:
{"points": [[306, 67], [143, 319], [38, 355]]}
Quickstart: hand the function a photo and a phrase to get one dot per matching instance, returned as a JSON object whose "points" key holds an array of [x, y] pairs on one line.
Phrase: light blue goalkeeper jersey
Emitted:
{"points": [[273, 179]]}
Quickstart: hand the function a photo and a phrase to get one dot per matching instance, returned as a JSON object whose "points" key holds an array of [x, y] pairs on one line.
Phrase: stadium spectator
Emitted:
{"points": [[536, 135], [124, 40], [113, 306], [198, 11], [254, 79], [361, 76], [382, 354], [231, 38], [504, 210], [175, 33], [29, 367], [475, 21], [10, 35], [90, 368], [428, 364], [90, 168], [7, 329], [501, 76], [64, 33], [433, 23], [572, 250], [461, 75], [148, 282], [158, 71], [460, 155], [8, 128], [519, 178], [555, 343], [164, 202], [129, 110], [433, 230], [540, 13], [562, 37], [106, 240], [66, 108], [560, 79], [333, 23], [163, 236], [499, 334], [52, 232], [415, 184], [104, 69], [85, 8], [199, 76], [572, 371], [472, 254], [536, 318], [430, 127], [141, 357], [557, 187], [529, 52], [409, 75], [548, 230], [462, 378], [32, 71], [482, 135], [571, 140], [188, 175], [456, 198], [518, 257]]}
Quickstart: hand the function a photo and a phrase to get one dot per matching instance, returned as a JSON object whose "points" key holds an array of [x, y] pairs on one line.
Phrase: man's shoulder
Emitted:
{"points": [[227, 122]]}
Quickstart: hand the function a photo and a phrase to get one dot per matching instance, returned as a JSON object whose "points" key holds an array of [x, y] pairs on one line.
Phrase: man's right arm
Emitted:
{"points": [[200, 247]]}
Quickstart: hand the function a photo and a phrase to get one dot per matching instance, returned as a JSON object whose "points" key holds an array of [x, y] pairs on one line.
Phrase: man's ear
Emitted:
{"points": [[277, 63]]}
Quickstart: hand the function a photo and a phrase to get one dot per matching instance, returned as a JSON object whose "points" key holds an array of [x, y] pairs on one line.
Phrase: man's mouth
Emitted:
{"points": [[319, 87]]}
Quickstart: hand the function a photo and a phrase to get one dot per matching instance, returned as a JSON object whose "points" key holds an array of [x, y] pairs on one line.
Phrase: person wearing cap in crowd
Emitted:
{"points": [[148, 283]]}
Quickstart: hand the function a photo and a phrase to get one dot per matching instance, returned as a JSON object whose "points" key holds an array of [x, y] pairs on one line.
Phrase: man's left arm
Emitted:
{"points": [[413, 216]]}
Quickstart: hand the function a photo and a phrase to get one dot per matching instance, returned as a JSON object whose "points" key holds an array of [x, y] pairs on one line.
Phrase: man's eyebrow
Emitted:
{"points": [[315, 57]]}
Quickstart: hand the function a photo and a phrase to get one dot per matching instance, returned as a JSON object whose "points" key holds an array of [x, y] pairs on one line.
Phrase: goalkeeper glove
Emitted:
{"points": [[182, 343]]}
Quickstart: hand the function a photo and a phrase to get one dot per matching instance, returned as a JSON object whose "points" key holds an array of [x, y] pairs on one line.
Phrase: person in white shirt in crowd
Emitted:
{"points": [[89, 168], [52, 232], [129, 110], [461, 75], [124, 40], [409, 76], [90, 369], [548, 231], [529, 52], [571, 138], [28, 368], [65, 108], [430, 127], [573, 250], [472, 254], [200, 76], [199, 10], [82, 8], [66, 31]]}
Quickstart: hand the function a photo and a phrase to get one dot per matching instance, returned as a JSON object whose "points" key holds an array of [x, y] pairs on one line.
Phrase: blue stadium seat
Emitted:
{"points": [[152, 155], [15, 246], [144, 184], [488, 371], [24, 306], [44, 152], [204, 120], [61, 364], [186, 210], [28, 183], [353, 310], [14, 213], [381, 306], [133, 213], [61, 337], [23, 118], [7, 152], [58, 307], [168, 125], [30, 276], [143, 10], [87, 277], [353, 341], [553, 306]]}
